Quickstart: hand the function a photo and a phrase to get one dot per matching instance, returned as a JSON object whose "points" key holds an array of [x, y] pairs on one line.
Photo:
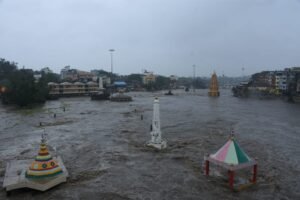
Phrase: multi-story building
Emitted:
{"points": [[293, 80], [64, 72], [73, 75], [281, 80], [72, 89], [262, 80], [84, 76], [148, 77]]}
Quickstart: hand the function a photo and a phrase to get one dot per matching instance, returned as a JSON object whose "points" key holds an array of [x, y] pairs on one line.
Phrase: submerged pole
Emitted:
{"points": [[206, 167], [254, 173], [231, 179]]}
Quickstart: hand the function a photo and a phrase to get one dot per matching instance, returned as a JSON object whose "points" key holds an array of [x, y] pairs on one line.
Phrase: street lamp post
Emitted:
{"points": [[194, 76], [111, 60]]}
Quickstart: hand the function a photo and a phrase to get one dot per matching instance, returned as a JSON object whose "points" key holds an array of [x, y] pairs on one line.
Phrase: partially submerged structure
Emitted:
{"points": [[43, 173], [232, 158], [120, 97], [214, 86], [156, 139], [102, 94]]}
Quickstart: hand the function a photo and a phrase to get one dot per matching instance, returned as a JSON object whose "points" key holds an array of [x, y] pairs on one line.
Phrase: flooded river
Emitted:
{"points": [[102, 145]]}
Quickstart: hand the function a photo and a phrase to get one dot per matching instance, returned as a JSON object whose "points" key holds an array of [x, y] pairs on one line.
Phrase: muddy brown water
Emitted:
{"points": [[102, 145]]}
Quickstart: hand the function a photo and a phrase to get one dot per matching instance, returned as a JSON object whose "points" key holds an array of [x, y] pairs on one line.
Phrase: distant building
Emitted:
{"points": [[37, 77], [281, 80], [46, 70], [73, 75], [148, 77], [173, 81], [84, 76], [173, 78], [120, 86], [72, 89], [293, 80], [284, 82], [263, 80], [64, 72]]}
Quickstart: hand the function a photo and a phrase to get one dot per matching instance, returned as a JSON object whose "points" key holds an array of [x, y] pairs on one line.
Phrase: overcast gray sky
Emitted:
{"points": [[164, 36]]}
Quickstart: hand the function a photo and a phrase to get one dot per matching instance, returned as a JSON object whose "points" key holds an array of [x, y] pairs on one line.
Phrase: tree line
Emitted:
{"points": [[19, 87]]}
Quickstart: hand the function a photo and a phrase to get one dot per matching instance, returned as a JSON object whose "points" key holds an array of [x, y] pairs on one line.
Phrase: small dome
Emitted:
{"points": [[52, 83], [66, 83], [78, 83], [92, 83]]}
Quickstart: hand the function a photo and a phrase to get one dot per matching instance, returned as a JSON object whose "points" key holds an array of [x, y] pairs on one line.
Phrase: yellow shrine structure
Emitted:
{"points": [[42, 173], [44, 164], [214, 86]]}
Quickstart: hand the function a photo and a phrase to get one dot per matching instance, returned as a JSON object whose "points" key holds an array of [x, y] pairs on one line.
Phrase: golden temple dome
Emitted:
{"points": [[214, 86]]}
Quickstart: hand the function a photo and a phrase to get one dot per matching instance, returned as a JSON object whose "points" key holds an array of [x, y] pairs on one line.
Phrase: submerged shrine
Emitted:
{"points": [[43, 165], [42, 174], [232, 158], [156, 139], [214, 86]]}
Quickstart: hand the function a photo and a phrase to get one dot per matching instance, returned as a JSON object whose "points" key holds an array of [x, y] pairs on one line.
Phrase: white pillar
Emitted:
{"points": [[156, 139], [100, 83]]}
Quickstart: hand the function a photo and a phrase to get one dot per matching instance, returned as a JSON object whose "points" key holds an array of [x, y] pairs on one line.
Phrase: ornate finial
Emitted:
{"points": [[44, 139], [232, 134]]}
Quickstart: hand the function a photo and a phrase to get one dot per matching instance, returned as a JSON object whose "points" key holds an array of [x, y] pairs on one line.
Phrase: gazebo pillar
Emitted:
{"points": [[254, 173], [231, 178], [206, 167]]}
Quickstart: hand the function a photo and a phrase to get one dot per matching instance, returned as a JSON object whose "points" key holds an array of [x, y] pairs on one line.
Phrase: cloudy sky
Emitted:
{"points": [[164, 36]]}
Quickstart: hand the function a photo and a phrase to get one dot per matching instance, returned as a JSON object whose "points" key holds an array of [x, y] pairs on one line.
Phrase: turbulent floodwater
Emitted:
{"points": [[102, 145]]}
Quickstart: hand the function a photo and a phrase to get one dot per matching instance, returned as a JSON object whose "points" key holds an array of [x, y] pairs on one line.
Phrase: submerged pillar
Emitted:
{"points": [[206, 167], [254, 173], [231, 179], [100, 83], [156, 139]]}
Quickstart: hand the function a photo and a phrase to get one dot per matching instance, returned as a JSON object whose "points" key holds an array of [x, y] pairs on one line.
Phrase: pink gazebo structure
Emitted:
{"points": [[231, 157]]}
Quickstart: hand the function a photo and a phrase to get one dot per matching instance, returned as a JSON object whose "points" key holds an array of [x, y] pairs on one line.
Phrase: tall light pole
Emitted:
{"points": [[194, 76], [111, 60], [243, 75]]}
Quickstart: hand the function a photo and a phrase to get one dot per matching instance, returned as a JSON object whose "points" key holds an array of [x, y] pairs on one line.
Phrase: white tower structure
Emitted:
{"points": [[100, 83], [156, 140]]}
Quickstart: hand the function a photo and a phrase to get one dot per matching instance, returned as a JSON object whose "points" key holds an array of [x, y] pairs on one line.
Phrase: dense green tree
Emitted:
{"points": [[199, 83], [22, 88], [41, 87], [134, 78], [162, 83], [6, 68]]}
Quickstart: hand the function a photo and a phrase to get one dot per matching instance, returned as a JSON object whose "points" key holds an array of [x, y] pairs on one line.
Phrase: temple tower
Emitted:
{"points": [[43, 165], [214, 86], [42, 174], [156, 139]]}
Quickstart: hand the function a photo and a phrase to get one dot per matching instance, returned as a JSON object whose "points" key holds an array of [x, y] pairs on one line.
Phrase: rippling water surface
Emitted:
{"points": [[102, 145]]}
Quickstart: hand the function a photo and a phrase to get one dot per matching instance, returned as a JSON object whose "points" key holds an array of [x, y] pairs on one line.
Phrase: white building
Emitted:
{"points": [[148, 77], [46, 70], [281, 80]]}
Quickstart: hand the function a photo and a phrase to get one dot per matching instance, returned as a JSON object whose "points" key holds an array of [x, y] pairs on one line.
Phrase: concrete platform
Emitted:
{"points": [[15, 177], [159, 146]]}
